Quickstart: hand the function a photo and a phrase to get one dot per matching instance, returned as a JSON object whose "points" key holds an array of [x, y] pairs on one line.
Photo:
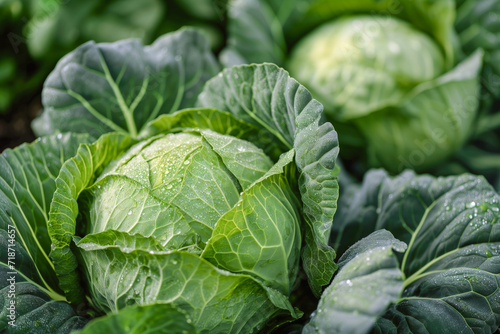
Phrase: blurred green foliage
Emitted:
{"points": [[37, 33]]}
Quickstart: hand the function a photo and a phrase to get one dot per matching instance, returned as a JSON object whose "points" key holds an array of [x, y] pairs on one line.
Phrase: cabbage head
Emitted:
{"points": [[389, 81], [207, 194], [166, 196], [214, 213]]}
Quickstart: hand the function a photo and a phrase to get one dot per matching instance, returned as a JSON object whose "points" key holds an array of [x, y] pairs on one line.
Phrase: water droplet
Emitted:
{"points": [[470, 205], [348, 282]]}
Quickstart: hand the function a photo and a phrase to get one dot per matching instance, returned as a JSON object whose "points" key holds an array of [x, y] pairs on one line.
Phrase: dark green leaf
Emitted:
{"points": [[367, 282], [451, 266], [357, 211], [98, 88], [26, 307]]}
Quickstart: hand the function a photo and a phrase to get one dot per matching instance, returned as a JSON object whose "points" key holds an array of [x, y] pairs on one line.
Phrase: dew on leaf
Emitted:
{"points": [[470, 205]]}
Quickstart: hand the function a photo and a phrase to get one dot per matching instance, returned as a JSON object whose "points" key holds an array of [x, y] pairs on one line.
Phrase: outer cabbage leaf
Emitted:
{"points": [[451, 266], [367, 282], [26, 307], [260, 236], [75, 175], [27, 184], [138, 319], [200, 118], [120, 86], [126, 273], [266, 97]]}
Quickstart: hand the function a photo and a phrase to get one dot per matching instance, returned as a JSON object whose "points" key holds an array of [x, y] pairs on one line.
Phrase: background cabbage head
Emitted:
{"points": [[387, 82]]}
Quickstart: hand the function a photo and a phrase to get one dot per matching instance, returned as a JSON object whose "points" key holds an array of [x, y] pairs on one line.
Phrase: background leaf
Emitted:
{"points": [[121, 86], [478, 26], [63, 25], [265, 43]]}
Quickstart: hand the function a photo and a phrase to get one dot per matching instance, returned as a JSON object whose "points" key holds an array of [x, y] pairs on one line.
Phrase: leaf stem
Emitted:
{"points": [[128, 114]]}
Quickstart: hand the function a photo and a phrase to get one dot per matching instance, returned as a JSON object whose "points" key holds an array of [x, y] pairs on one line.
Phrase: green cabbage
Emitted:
{"points": [[388, 81]]}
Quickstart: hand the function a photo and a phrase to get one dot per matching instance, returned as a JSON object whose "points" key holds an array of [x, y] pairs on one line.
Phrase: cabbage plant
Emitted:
{"points": [[419, 255], [389, 73], [164, 196], [194, 203]]}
